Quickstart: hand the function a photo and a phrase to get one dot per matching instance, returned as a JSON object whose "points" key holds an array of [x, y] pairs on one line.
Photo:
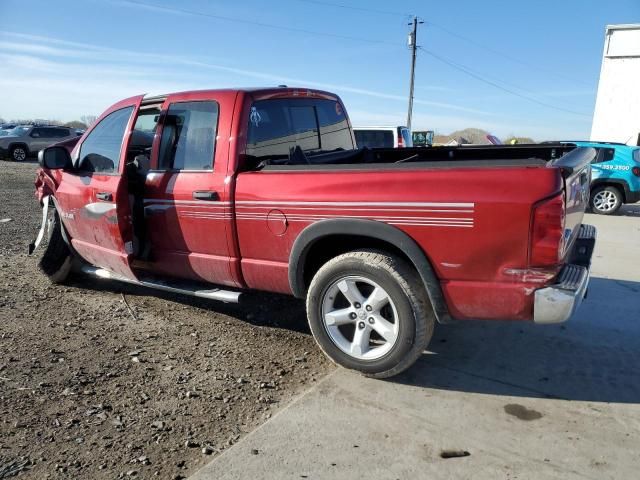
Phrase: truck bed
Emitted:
{"points": [[431, 157]]}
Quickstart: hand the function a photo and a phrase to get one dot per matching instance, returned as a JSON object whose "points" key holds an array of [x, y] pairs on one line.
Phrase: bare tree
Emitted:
{"points": [[76, 124], [88, 119]]}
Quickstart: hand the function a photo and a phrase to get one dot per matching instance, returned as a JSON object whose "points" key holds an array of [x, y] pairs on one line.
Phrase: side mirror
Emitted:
{"points": [[55, 158]]}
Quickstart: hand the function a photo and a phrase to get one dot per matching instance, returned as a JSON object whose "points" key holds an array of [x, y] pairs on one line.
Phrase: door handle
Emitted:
{"points": [[104, 196], [206, 195]]}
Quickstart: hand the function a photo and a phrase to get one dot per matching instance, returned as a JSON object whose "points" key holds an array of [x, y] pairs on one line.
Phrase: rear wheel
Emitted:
{"points": [[606, 200], [56, 260], [368, 311], [18, 153]]}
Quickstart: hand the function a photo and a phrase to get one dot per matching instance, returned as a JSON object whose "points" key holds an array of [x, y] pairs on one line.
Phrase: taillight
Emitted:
{"points": [[400, 141], [547, 232], [636, 171]]}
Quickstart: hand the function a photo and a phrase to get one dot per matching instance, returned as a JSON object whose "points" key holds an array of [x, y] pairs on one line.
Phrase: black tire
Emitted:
{"points": [[18, 153], [56, 260], [404, 288], [605, 200]]}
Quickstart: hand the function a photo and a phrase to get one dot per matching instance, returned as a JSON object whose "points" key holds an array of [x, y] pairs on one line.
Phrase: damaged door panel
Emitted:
{"points": [[92, 198]]}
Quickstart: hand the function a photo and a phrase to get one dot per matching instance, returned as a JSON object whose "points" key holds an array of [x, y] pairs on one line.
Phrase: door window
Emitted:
{"points": [[100, 151], [37, 133], [189, 136], [61, 132]]}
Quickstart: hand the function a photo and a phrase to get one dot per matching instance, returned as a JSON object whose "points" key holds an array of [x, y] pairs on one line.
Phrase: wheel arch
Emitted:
{"points": [[63, 227], [620, 184], [19, 144], [326, 239]]}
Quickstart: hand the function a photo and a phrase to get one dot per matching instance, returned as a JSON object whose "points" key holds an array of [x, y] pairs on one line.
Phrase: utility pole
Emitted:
{"points": [[412, 44]]}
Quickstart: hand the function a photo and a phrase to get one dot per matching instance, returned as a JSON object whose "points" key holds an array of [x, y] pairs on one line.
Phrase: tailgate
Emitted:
{"points": [[575, 168]]}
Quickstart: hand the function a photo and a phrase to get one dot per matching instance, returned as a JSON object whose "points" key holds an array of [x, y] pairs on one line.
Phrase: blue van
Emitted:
{"points": [[615, 175]]}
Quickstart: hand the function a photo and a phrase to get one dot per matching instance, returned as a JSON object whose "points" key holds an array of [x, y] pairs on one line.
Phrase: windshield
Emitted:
{"points": [[19, 131]]}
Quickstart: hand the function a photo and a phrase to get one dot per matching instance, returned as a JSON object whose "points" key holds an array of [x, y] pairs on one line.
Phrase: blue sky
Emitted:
{"points": [[524, 68]]}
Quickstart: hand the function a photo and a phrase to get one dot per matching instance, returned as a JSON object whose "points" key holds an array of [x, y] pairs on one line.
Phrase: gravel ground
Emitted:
{"points": [[106, 380]]}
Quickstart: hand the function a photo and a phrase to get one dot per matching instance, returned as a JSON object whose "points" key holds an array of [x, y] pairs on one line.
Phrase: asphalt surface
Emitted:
{"points": [[489, 400]]}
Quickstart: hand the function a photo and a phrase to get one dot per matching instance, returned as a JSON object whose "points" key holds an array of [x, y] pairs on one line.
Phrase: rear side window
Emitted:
{"points": [[189, 136], [58, 132], [315, 125], [636, 155], [604, 155], [100, 151], [38, 133], [374, 138]]}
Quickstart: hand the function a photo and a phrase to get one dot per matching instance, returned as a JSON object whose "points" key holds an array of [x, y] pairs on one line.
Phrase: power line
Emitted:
{"points": [[481, 78], [504, 55], [360, 9], [259, 24], [453, 34], [460, 67]]}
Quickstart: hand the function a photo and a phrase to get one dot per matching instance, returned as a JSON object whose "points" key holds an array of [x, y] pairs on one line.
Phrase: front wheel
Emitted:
{"points": [[606, 200], [18, 153], [57, 260], [368, 311]]}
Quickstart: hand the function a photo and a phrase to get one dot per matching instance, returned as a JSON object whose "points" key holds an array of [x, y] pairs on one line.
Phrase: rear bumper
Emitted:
{"points": [[557, 302]]}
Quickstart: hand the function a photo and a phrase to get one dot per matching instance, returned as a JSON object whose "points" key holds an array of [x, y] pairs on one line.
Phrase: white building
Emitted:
{"points": [[617, 114]]}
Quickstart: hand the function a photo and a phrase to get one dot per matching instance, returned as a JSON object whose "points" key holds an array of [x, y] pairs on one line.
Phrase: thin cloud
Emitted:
{"points": [[82, 50]]}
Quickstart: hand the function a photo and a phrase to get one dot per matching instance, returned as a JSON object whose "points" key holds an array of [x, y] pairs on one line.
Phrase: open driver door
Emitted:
{"points": [[92, 198]]}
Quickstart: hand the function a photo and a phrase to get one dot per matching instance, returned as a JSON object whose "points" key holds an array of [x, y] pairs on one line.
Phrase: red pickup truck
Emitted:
{"points": [[210, 193]]}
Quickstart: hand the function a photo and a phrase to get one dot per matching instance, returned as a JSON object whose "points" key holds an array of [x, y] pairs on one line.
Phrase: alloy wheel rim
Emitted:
{"points": [[19, 154], [605, 201], [360, 317]]}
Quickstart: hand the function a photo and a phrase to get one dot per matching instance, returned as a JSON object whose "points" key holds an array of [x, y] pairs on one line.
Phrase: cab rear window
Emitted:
{"points": [[279, 125]]}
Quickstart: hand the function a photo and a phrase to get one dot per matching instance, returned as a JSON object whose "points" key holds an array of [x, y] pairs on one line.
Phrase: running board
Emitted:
{"points": [[184, 288]]}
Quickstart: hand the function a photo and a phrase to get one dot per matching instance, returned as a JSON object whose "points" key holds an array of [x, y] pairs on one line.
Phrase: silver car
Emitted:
{"points": [[28, 140]]}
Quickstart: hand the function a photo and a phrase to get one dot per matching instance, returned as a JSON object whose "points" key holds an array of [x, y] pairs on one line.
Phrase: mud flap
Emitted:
{"points": [[45, 210]]}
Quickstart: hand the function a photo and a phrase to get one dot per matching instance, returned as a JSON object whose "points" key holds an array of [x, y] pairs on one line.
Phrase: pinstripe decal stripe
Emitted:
{"points": [[301, 212]]}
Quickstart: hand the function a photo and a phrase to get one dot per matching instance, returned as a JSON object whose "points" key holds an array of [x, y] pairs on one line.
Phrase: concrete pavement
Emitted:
{"points": [[524, 401]]}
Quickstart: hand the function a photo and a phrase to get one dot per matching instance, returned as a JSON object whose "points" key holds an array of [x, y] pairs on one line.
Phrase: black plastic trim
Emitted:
{"points": [[433, 164], [372, 229]]}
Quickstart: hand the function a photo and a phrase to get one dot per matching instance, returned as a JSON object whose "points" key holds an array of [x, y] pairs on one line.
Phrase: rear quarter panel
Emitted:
{"points": [[472, 223], [618, 169]]}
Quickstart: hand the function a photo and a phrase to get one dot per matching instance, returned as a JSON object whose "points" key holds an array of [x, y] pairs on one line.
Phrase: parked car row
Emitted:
{"points": [[22, 141]]}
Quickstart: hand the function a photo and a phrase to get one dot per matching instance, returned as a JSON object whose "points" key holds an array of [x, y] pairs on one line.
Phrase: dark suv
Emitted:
{"points": [[27, 140]]}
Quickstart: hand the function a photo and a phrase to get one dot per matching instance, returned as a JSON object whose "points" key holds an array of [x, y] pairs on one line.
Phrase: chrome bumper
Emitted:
{"points": [[557, 302]]}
